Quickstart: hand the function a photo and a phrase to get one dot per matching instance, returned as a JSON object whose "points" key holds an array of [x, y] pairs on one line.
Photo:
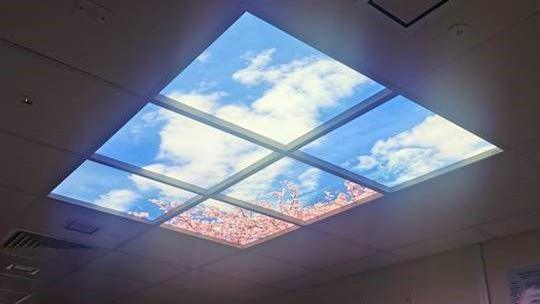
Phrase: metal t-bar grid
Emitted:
{"points": [[278, 149]]}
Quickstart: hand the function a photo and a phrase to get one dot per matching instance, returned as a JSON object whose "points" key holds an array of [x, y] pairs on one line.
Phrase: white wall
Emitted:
{"points": [[447, 278]]}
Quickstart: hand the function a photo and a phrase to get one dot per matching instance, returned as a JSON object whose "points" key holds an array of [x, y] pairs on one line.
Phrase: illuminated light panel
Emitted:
{"points": [[257, 80], [260, 78], [165, 142], [104, 188], [295, 189], [398, 142], [228, 224]]}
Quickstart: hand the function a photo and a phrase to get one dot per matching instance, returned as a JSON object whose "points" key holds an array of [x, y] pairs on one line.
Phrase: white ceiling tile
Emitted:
{"points": [[389, 222], [212, 283], [126, 49], [168, 294], [481, 191], [312, 249], [135, 267], [260, 292], [50, 217], [13, 207], [442, 243], [31, 167], [512, 224], [100, 283], [456, 200], [380, 48], [487, 90], [72, 295], [170, 246], [309, 279], [377, 260], [255, 268], [66, 103]]}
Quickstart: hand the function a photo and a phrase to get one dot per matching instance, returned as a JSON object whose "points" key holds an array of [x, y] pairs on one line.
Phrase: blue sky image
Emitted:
{"points": [[397, 142], [264, 80]]}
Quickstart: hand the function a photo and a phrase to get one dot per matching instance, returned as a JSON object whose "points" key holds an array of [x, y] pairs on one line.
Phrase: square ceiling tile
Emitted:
{"points": [[212, 283], [228, 224], [255, 268], [169, 294], [306, 280], [50, 217], [14, 207], [93, 281], [377, 260], [471, 194], [441, 243], [71, 295], [171, 246], [394, 221], [128, 52], [262, 292], [65, 102], [31, 167], [513, 224], [135, 267], [312, 249]]}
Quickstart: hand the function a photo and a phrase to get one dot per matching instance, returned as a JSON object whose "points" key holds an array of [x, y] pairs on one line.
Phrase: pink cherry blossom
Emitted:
{"points": [[240, 227], [228, 223]]}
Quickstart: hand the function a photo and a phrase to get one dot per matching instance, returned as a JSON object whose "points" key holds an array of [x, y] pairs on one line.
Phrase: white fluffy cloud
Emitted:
{"points": [[309, 180], [299, 91], [261, 182], [201, 155], [166, 192], [432, 144], [203, 57], [117, 199]]}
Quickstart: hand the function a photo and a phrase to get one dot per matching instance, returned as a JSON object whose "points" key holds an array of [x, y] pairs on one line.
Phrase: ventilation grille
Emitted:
{"points": [[34, 246]]}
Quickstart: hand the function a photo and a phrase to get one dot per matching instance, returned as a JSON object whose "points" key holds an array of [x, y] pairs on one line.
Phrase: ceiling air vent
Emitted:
{"points": [[34, 246]]}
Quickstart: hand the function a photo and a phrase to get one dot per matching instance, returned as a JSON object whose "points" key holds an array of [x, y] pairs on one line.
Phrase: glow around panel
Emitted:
{"points": [[104, 187], [398, 142], [298, 190], [162, 141], [229, 224], [266, 81]]}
